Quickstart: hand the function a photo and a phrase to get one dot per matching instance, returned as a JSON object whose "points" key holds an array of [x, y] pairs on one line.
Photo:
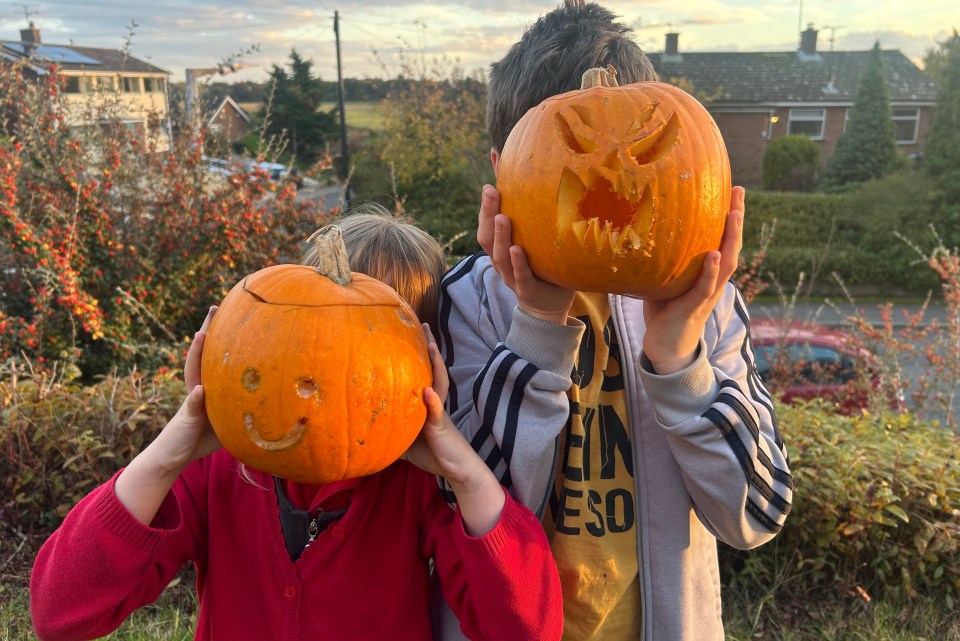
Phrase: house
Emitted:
{"points": [[755, 97], [229, 120], [136, 90]]}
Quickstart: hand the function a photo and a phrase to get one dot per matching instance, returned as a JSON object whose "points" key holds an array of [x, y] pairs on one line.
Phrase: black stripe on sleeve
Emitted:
{"points": [[443, 317], [753, 377], [513, 409], [737, 406], [746, 462]]}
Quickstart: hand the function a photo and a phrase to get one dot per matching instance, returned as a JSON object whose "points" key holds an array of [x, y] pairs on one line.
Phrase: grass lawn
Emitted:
{"points": [[172, 618], [360, 114]]}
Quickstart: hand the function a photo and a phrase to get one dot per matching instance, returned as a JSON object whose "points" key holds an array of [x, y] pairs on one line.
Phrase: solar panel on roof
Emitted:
{"points": [[53, 53]]}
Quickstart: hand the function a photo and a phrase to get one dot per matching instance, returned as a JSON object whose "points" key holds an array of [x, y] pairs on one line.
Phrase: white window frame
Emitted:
{"points": [[136, 81], [916, 123], [153, 84], [806, 114]]}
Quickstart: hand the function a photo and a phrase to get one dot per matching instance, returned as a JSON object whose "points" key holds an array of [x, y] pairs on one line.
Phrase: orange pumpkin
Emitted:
{"points": [[617, 189], [315, 378]]}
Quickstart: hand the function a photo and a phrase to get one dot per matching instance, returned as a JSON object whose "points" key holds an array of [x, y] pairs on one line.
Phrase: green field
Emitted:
{"points": [[360, 114]]}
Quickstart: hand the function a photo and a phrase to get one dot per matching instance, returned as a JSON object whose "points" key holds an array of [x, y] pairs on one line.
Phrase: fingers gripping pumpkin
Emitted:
{"points": [[618, 189], [315, 375]]}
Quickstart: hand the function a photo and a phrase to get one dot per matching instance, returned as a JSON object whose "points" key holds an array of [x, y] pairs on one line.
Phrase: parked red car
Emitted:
{"points": [[803, 360]]}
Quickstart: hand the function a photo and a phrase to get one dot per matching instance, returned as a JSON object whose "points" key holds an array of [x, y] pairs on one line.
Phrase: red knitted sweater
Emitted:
{"points": [[365, 577]]}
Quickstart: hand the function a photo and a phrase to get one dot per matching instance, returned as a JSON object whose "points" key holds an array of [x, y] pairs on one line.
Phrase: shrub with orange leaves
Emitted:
{"points": [[114, 242]]}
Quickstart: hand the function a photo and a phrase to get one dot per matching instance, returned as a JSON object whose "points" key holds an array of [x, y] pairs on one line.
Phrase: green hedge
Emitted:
{"points": [[876, 504], [851, 234]]}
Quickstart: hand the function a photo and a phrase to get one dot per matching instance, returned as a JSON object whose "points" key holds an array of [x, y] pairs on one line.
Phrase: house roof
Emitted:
{"points": [[72, 58], [777, 77], [229, 102]]}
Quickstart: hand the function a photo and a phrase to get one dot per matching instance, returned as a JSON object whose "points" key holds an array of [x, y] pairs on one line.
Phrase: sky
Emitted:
{"points": [[377, 37]]}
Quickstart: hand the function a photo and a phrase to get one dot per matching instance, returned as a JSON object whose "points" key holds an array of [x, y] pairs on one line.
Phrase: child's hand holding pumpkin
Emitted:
{"points": [[441, 449], [674, 326], [145, 482], [535, 296]]}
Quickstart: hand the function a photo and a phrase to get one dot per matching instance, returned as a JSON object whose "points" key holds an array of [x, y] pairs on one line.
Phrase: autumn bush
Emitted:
{"points": [[790, 163], [115, 240], [433, 153], [876, 513], [61, 438]]}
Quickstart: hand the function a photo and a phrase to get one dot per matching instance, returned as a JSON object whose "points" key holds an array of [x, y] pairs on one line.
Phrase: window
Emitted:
{"points": [[71, 84], [92, 84], [153, 85], [808, 122], [131, 84], [906, 122]]}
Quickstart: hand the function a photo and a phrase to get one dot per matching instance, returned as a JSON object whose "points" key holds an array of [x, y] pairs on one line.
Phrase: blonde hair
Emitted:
{"points": [[388, 247]]}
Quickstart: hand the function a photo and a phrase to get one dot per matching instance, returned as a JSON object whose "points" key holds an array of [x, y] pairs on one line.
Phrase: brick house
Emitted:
{"points": [[761, 96], [229, 120], [136, 90]]}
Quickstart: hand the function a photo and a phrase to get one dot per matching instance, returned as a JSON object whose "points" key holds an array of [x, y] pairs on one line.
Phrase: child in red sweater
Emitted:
{"points": [[281, 560]]}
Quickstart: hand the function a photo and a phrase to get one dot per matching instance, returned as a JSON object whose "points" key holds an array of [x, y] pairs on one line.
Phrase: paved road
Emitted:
{"points": [[836, 314], [912, 365], [327, 196]]}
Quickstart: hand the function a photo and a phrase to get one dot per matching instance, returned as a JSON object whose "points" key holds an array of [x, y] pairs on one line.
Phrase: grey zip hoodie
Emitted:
{"points": [[709, 460]]}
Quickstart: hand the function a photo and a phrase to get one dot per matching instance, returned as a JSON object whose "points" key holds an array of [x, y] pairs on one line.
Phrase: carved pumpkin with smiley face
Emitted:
{"points": [[315, 376], [616, 189]]}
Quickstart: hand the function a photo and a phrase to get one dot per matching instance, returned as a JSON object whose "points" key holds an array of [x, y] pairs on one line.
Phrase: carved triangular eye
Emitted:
{"points": [[656, 143], [575, 128]]}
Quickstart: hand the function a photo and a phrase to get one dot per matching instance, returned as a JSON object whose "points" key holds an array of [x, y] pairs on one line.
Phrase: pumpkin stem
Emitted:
{"points": [[329, 255], [599, 77]]}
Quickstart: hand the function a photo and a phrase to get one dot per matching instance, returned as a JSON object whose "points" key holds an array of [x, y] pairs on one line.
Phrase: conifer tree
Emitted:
{"points": [[935, 58], [942, 155], [294, 101], [868, 148]]}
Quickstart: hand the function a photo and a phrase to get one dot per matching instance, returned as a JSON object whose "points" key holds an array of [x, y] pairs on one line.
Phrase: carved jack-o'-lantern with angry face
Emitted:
{"points": [[617, 189]]}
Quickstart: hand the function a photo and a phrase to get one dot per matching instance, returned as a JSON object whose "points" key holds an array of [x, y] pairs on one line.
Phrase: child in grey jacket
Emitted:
{"points": [[638, 431]]}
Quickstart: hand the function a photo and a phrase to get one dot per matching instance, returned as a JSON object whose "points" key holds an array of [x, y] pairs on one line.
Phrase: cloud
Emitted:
{"points": [[176, 34]]}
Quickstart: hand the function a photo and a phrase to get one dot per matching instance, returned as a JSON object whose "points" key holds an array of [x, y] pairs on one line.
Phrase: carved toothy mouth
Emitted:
{"points": [[600, 218]]}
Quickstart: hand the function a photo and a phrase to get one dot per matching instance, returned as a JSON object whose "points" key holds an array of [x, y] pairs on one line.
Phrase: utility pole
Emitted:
{"points": [[194, 75], [344, 153]]}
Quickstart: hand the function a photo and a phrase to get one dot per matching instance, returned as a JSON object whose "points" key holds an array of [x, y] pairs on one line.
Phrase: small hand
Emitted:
{"points": [[535, 296], [674, 327], [142, 486], [189, 436], [439, 448], [441, 380]]}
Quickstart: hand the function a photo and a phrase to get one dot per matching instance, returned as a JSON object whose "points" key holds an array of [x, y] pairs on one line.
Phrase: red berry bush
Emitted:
{"points": [[114, 241]]}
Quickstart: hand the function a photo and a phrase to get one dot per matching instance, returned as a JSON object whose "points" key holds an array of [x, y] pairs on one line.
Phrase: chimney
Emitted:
{"points": [[672, 44], [671, 51], [808, 41], [30, 35]]}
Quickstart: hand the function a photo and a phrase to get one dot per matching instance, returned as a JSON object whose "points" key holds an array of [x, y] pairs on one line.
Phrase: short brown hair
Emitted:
{"points": [[385, 246], [550, 58]]}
